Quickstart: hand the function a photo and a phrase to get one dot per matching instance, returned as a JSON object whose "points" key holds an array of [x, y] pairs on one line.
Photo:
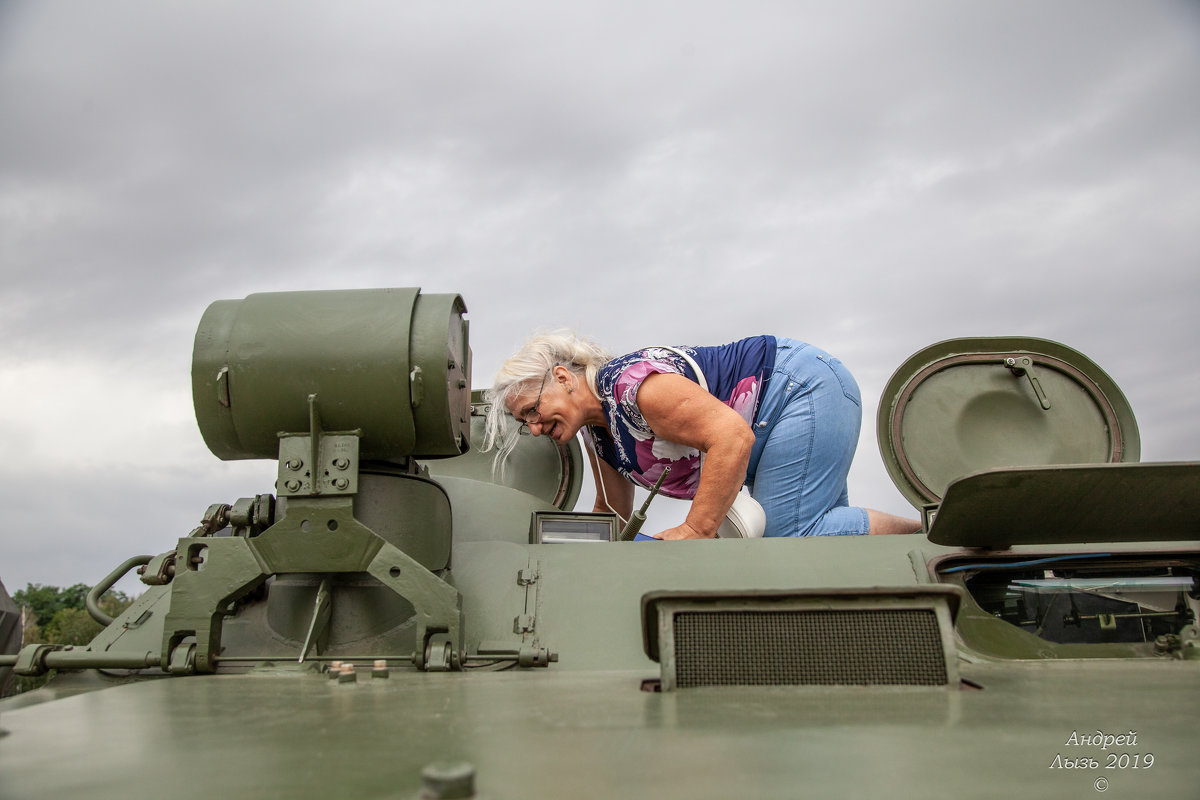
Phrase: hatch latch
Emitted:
{"points": [[1023, 366]]}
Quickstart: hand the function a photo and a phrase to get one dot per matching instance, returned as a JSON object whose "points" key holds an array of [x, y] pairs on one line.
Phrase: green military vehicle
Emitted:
{"points": [[396, 620]]}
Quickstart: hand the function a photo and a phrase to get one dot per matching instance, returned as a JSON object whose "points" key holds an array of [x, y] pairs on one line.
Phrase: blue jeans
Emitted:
{"points": [[805, 434]]}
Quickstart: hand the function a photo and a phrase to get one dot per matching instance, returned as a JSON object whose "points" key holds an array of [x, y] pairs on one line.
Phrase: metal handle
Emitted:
{"points": [[1023, 366], [93, 597]]}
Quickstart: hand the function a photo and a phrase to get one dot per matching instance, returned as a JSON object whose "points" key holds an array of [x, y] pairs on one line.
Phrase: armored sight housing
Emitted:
{"points": [[396, 619]]}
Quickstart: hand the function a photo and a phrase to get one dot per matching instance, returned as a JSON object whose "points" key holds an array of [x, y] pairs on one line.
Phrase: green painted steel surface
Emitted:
{"points": [[585, 728], [597, 735]]}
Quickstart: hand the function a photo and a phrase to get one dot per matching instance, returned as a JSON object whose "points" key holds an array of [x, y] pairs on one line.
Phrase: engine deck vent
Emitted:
{"points": [[825, 638]]}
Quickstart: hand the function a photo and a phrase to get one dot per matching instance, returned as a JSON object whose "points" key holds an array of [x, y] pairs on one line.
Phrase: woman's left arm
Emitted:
{"points": [[679, 411]]}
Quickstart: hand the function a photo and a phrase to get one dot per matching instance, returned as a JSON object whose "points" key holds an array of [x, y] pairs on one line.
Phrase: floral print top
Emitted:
{"points": [[737, 374]]}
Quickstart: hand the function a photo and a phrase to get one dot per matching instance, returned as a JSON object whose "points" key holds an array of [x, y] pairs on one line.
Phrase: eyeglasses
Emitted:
{"points": [[533, 416]]}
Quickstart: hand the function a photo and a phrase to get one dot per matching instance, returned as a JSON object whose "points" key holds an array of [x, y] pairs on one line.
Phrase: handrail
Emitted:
{"points": [[93, 597]]}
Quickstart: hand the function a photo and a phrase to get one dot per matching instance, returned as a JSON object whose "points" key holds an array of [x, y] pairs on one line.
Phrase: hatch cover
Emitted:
{"points": [[965, 406], [1068, 504], [537, 465]]}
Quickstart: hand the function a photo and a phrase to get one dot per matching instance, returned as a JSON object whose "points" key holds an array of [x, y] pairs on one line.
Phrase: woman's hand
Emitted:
{"points": [[684, 531]]}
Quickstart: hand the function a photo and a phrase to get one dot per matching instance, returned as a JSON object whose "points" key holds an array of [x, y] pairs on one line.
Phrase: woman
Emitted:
{"points": [[778, 415]]}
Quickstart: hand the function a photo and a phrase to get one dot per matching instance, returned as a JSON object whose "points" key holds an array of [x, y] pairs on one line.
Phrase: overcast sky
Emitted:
{"points": [[871, 177]]}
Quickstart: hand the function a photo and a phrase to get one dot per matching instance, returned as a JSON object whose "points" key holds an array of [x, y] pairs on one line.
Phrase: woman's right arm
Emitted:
{"points": [[611, 483]]}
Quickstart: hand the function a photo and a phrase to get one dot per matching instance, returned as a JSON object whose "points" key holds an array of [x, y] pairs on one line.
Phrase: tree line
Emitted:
{"points": [[59, 616]]}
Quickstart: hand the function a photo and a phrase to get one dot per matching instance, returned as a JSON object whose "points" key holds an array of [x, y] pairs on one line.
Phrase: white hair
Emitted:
{"points": [[528, 367]]}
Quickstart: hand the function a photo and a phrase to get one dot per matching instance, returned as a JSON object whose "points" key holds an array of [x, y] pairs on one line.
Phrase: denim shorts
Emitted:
{"points": [[805, 434]]}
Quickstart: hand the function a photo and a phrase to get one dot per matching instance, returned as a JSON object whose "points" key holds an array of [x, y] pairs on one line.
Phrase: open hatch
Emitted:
{"points": [[1008, 442]]}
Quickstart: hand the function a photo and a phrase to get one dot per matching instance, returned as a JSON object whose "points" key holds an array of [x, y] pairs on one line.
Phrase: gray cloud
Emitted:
{"points": [[869, 176]]}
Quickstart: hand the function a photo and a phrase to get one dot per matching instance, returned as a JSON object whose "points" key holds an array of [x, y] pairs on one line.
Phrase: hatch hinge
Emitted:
{"points": [[1023, 366]]}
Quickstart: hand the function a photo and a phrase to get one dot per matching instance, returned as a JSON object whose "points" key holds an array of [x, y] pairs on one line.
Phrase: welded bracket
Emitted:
{"points": [[317, 535], [318, 462]]}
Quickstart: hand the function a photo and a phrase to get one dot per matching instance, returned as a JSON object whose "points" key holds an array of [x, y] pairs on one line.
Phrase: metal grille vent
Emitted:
{"points": [[809, 647]]}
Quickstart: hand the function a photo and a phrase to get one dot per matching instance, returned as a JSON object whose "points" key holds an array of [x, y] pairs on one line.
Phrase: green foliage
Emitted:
{"points": [[72, 626], [46, 601], [60, 616], [32, 632]]}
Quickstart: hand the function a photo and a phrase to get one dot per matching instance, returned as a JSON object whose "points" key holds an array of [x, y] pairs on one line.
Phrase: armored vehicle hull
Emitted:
{"points": [[433, 629]]}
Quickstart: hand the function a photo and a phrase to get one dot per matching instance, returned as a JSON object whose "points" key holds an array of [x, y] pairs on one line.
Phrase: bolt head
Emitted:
{"points": [[448, 781]]}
